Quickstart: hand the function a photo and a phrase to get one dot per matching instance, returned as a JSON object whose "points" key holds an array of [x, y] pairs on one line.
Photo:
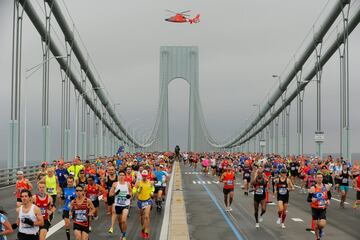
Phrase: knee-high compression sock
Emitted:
{"points": [[283, 217], [263, 211], [68, 234]]}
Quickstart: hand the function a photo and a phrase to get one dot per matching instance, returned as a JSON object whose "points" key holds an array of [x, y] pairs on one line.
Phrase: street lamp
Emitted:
{"points": [[36, 67]]}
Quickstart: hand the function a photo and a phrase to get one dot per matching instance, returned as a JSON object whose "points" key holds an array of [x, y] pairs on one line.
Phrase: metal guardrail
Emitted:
{"points": [[8, 176]]}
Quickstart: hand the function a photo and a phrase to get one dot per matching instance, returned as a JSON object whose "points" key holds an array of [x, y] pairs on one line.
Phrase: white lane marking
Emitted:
{"points": [[203, 182], [60, 224], [208, 182], [194, 182], [216, 182], [271, 204], [199, 182], [186, 172], [297, 219]]}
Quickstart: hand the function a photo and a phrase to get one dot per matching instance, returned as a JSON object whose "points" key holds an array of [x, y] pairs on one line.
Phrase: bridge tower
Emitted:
{"points": [[180, 62]]}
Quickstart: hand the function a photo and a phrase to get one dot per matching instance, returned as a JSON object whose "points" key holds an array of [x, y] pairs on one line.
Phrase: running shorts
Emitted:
{"points": [[318, 213], [144, 204], [23, 236], [284, 199], [119, 209], [81, 228], [344, 188], [96, 203], [66, 214], [226, 191], [258, 198], [357, 195], [46, 225]]}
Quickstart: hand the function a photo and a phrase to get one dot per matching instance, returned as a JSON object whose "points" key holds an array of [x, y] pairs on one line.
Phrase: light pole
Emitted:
{"points": [[262, 142], [32, 71]]}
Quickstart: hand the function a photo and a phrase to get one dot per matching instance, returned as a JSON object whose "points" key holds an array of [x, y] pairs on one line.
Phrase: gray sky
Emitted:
{"points": [[241, 44]]}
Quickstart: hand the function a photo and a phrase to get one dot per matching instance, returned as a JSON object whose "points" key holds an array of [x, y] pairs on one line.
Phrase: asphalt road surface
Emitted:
{"points": [[207, 218]]}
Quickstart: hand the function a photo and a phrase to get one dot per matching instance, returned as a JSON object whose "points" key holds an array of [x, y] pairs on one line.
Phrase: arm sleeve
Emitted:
{"points": [[329, 195], [309, 197]]}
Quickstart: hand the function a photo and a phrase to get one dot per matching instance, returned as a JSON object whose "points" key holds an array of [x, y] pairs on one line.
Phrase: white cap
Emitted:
{"points": [[19, 173]]}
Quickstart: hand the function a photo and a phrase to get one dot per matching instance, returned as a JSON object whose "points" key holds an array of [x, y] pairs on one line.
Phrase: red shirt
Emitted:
{"points": [[229, 180], [43, 205]]}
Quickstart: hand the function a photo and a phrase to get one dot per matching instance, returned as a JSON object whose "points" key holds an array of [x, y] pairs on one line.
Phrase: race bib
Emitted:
{"points": [[121, 199], [282, 191], [144, 204], [259, 191], [344, 180], [43, 211], [50, 190], [229, 182], [292, 168], [158, 183], [93, 197], [81, 215], [247, 175]]}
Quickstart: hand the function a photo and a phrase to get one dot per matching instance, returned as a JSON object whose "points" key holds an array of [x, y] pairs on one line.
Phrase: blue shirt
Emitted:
{"points": [[68, 193], [161, 177], [61, 175], [3, 218]]}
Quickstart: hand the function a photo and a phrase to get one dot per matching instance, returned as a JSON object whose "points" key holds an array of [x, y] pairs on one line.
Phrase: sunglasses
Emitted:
{"points": [[78, 190]]}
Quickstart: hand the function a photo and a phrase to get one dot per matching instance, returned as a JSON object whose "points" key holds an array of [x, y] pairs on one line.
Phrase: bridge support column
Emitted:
{"points": [[276, 148], [300, 115], [344, 90], [14, 125], [46, 85], [319, 134], [287, 130]]}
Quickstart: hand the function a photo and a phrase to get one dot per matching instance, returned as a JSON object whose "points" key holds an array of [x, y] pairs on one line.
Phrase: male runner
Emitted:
{"points": [[228, 178], [45, 202], [21, 183], [259, 185], [319, 196], [29, 218], [69, 194], [282, 186]]}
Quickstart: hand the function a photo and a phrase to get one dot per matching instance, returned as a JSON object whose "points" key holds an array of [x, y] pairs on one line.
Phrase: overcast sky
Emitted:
{"points": [[241, 45]]}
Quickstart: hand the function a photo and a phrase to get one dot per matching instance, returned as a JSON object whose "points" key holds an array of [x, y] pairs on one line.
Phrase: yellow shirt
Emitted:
{"points": [[50, 183], [145, 190], [75, 169]]}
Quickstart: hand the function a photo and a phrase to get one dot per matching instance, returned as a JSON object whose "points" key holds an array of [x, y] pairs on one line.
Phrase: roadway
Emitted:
{"points": [[208, 220], [99, 227]]}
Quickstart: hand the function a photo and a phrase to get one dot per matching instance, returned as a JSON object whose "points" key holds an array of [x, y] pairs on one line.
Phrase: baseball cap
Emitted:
{"points": [[144, 173], [19, 173]]}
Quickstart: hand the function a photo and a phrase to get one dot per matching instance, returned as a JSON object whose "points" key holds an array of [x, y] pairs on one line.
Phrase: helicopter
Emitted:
{"points": [[182, 17]]}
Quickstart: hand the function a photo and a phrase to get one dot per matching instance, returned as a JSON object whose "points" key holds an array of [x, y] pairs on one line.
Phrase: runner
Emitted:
{"points": [[29, 218], [75, 168], [319, 196], [109, 181], [228, 178], [93, 191], [246, 171], [69, 194], [82, 210], [45, 203], [61, 174], [344, 177], [259, 185], [81, 180], [357, 189], [42, 172], [282, 187], [145, 190], [21, 183], [161, 178], [5, 226], [52, 185], [121, 191]]}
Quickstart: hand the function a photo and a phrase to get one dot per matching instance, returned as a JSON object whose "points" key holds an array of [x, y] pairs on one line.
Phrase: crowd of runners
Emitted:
{"points": [[275, 176], [75, 191]]}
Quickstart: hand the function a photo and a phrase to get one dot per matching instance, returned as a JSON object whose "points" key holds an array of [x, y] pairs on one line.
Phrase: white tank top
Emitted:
{"points": [[120, 199], [25, 228]]}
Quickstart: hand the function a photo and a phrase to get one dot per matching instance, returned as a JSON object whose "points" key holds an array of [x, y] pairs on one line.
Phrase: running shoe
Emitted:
{"points": [[257, 225], [321, 233], [278, 221], [283, 226], [111, 230], [261, 219], [230, 209], [90, 229]]}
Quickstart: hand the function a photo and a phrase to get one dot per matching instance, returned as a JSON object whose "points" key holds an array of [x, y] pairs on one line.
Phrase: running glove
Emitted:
{"points": [[28, 221]]}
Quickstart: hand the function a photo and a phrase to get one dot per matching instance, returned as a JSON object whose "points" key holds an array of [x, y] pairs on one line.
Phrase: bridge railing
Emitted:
{"points": [[8, 177]]}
